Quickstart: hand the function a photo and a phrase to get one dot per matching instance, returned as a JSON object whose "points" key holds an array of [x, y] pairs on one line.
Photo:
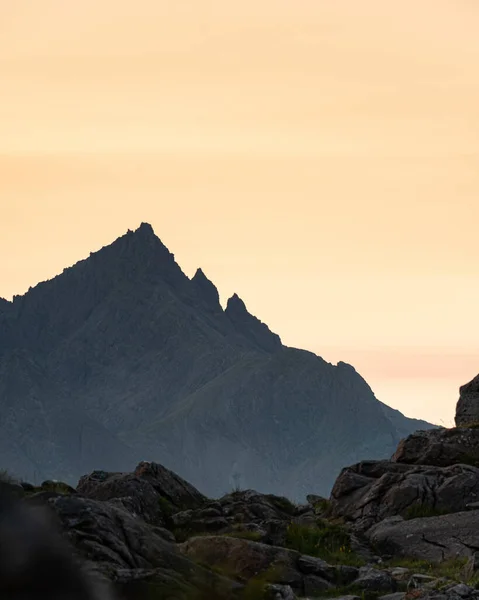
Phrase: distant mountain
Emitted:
{"points": [[122, 358]]}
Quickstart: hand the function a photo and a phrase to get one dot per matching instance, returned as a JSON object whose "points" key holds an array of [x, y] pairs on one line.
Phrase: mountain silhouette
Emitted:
{"points": [[123, 358]]}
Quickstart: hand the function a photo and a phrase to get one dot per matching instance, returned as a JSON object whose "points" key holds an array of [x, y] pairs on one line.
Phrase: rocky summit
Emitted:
{"points": [[122, 357]]}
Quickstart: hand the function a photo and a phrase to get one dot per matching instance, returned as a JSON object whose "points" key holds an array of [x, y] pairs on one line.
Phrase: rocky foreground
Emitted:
{"points": [[397, 529]]}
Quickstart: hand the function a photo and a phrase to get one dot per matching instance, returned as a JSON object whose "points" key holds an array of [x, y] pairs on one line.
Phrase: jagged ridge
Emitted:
{"points": [[149, 355]]}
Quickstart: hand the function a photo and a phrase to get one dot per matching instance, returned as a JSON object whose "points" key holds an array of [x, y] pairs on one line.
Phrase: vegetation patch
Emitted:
{"points": [[244, 534], [450, 569], [326, 540]]}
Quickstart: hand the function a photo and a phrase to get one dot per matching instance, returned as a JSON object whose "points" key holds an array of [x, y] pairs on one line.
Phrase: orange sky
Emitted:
{"points": [[319, 157]]}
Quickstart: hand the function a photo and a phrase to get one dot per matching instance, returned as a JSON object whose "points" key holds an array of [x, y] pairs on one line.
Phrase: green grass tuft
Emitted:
{"points": [[326, 540]]}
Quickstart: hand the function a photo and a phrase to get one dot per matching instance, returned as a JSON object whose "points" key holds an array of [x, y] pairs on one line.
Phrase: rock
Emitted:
{"points": [[245, 559], [279, 592], [133, 494], [246, 511], [400, 573], [345, 574], [462, 590], [51, 485], [439, 447], [310, 565], [372, 491], [433, 539], [151, 492], [315, 586], [375, 580], [394, 596], [419, 580], [169, 485], [130, 552], [36, 562], [467, 409]]}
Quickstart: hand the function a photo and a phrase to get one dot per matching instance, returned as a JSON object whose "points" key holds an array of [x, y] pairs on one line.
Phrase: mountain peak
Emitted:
{"points": [[235, 305], [251, 327], [206, 289], [144, 229]]}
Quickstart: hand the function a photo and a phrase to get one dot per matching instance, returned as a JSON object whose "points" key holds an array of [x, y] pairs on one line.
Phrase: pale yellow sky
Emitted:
{"points": [[319, 157]]}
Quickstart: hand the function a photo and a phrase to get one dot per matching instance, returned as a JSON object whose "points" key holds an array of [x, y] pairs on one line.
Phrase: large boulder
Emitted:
{"points": [[440, 447], [151, 492], [130, 552], [434, 539], [467, 409], [371, 491], [244, 559]]}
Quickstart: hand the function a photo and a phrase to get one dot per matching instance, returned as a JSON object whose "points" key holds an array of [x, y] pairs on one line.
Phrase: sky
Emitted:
{"points": [[318, 157]]}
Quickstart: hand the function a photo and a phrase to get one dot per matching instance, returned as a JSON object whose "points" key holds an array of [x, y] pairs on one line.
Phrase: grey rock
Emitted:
{"points": [[345, 574], [150, 492], [130, 552], [433, 539], [375, 580], [315, 586], [463, 591], [245, 559], [419, 580], [394, 596], [400, 573], [440, 447], [310, 565], [264, 514], [372, 491], [467, 409], [279, 592]]}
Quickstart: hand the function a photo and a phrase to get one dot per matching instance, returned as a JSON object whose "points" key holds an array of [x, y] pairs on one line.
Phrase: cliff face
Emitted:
{"points": [[122, 357]]}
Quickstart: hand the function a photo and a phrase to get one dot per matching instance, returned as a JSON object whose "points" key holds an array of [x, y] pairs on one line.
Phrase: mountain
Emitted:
{"points": [[123, 358]]}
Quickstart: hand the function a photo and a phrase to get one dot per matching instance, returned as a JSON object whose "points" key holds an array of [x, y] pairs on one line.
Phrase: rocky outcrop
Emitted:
{"points": [[264, 517], [131, 554], [467, 409], [440, 447], [151, 492], [369, 492]]}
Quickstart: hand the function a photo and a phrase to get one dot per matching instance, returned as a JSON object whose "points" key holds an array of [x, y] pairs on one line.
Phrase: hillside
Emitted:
{"points": [[122, 357]]}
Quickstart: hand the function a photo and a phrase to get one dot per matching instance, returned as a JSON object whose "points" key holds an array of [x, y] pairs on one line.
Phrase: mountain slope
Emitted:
{"points": [[130, 345]]}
